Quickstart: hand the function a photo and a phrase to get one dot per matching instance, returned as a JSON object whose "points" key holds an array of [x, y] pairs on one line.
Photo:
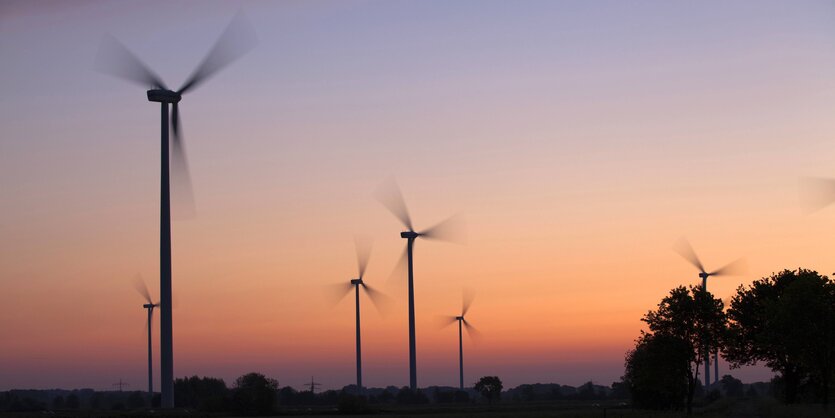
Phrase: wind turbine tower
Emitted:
{"points": [[117, 60], [684, 249], [143, 290], [391, 197], [357, 284], [471, 331]]}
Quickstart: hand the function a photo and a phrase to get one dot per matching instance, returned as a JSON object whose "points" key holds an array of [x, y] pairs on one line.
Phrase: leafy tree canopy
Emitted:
{"points": [[787, 321], [490, 387], [690, 321]]}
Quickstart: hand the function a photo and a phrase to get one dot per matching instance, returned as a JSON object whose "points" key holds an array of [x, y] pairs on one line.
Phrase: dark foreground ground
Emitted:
{"points": [[742, 408]]}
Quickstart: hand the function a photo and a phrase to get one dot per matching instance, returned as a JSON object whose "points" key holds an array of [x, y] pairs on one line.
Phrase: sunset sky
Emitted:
{"points": [[578, 139]]}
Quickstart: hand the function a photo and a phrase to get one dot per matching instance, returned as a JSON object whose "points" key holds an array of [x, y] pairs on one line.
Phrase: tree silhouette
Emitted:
{"points": [[657, 372], [207, 394], [96, 400], [586, 391], [620, 390], [490, 387], [136, 400], [696, 319], [407, 396], [255, 393], [733, 387], [787, 321], [350, 404], [72, 401]]}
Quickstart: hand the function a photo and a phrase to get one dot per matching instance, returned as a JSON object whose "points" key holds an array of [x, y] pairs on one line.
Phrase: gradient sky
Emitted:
{"points": [[580, 140]]}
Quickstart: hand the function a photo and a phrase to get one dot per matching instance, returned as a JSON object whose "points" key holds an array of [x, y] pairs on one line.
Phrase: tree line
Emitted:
{"points": [[250, 394], [785, 321]]}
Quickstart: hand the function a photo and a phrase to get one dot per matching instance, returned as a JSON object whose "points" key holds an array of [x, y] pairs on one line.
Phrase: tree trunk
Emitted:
{"points": [[691, 390], [792, 379]]}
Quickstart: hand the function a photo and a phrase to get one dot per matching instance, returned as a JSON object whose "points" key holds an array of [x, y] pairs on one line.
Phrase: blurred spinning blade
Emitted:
{"points": [[816, 193], [734, 268], [391, 197], [684, 249], [115, 59], [380, 300], [452, 229]]}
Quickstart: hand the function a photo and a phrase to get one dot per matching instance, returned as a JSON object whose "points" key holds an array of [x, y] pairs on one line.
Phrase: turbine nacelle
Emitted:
{"points": [[356, 281], [409, 234], [685, 250], [164, 96], [150, 305], [459, 318]]}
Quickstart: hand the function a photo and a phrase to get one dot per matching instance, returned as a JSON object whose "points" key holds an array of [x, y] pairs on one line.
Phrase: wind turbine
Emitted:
{"points": [[736, 267], [363, 254], [391, 197], [467, 300], [143, 290], [115, 59]]}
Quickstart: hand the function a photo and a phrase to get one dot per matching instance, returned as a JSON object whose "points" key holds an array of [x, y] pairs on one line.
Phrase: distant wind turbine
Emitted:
{"points": [[467, 300], [115, 59], [390, 196], [150, 305], [734, 268], [377, 297]]}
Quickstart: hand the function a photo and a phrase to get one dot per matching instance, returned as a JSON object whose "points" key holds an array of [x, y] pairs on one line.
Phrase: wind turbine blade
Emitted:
{"points": [[474, 334], [816, 193], [734, 268], [363, 246], [175, 120], [115, 59], [444, 321], [238, 39], [183, 194], [338, 291], [726, 301], [380, 300], [142, 288], [452, 229], [401, 269], [684, 249], [466, 301], [390, 196]]}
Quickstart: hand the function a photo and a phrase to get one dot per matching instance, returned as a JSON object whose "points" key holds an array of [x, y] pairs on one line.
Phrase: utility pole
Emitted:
{"points": [[120, 384], [312, 385]]}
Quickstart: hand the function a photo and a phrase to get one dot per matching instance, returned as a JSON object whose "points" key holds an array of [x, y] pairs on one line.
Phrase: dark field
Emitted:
{"points": [[766, 408], [742, 408]]}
